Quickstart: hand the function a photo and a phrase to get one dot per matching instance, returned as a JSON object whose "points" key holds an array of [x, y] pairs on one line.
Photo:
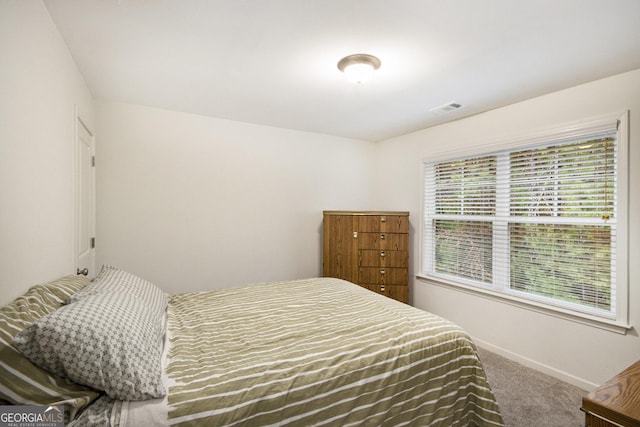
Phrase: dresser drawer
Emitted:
{"points": [[369, 248], [385, 258], [397, 292], [383, 241], [384, 224], [383, 276], [593, 421]]}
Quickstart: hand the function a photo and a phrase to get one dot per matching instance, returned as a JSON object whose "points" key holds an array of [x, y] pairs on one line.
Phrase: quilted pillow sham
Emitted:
{"points": [[24, 383], [112, 279], [108, 341]]}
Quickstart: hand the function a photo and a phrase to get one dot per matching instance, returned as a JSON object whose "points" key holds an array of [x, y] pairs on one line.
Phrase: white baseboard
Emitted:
{"points": [[530, 363]]}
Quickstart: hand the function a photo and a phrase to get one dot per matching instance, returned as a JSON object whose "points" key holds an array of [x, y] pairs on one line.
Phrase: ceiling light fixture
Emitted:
{"points": [[359, 67]]}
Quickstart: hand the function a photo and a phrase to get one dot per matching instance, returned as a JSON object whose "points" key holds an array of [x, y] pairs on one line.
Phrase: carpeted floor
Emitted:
{"points": [[528, 398]]}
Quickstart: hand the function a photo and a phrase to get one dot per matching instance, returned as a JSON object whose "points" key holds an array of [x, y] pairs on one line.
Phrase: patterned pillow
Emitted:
{"points": [[24, 383], [111, 279], [108, 341]]}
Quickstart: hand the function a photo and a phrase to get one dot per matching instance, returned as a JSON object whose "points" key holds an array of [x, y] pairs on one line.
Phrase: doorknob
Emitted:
{"points": [[84, 271]]}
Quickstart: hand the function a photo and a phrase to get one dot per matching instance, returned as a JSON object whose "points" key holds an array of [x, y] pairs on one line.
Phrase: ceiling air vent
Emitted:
{"points": [[446, 108]]}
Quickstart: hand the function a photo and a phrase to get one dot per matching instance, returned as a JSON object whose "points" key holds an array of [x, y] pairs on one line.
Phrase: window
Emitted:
{"points": [[543, 221]]}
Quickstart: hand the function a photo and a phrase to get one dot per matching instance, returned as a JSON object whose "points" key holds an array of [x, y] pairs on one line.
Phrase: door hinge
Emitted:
{"points": [[93, 161], [93, 242]]}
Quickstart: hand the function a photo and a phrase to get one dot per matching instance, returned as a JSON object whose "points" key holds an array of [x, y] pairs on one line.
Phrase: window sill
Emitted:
{"points": [[583, 318]]}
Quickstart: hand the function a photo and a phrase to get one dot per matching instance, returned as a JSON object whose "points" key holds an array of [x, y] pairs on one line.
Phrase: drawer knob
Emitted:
{"points": [[383, 219], [382, 253], [382, 237], [381, 271], [381, 288]]}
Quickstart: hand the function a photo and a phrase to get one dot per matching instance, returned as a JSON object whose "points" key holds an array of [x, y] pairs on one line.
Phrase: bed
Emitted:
{"points": [[314, 352]]}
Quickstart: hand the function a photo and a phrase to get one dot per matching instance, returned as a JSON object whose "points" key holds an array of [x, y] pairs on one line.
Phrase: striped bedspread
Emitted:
{"points": [[320, 352]]}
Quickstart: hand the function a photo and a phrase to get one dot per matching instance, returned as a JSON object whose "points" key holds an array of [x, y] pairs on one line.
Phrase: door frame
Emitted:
{"points": [[77, 122]]}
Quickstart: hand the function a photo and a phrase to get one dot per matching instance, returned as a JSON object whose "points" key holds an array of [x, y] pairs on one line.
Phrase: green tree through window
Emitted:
{"points": [[536, 222]]}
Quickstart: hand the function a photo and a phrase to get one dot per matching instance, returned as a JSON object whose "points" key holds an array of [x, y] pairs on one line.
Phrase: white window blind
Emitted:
{"points": [[537, 222]]}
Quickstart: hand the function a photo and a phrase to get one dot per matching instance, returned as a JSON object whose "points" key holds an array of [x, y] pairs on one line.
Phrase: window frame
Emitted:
{"points": [[548, 135]]}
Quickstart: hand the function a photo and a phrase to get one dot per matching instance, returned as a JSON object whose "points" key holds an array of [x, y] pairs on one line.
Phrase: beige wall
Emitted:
{"points": [[39, 86], [193, 202], [584, 355]]}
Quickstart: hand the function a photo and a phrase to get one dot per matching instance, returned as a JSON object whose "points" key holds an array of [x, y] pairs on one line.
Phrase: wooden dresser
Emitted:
{"points": [[369, 248], [615, 403]]}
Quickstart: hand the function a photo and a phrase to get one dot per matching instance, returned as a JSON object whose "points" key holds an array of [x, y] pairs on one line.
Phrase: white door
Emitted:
{"points": [[85, 200]]}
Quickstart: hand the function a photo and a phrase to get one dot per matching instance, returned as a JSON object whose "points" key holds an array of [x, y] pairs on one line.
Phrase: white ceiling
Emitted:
{"points": [[273, 62]]}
